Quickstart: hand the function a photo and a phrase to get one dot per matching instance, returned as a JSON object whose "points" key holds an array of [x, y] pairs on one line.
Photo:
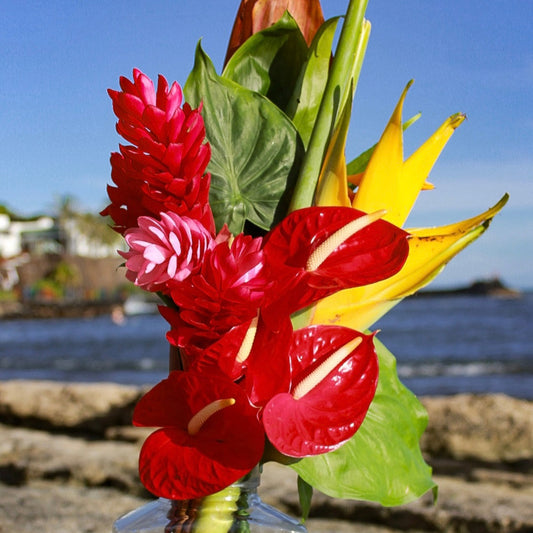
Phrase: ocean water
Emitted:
{"points": [[444, 345]]}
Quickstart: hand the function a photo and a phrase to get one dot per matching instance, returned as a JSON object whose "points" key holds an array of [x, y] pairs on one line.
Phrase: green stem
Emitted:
{"points": [[351, 42], [217, 512]]}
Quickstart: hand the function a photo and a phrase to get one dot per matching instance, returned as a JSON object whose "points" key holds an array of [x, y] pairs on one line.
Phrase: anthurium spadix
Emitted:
{"points": [[334, 378], [195, 452], [317, 251]]}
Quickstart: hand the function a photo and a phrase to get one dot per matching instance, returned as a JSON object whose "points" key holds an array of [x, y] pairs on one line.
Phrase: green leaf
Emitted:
{"points": [[382, 462], [305, 493], [270, 61], [305, 101], [256, 150], [343, 77]]}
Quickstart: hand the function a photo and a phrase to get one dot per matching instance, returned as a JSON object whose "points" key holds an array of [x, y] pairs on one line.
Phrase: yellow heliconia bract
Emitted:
{"points": [[392, 185], [429, 251]]}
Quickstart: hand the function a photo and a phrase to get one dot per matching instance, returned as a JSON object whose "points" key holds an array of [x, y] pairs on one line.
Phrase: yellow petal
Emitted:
{"points": [[380, 185], [332, 186], [418, 166], [430, 249]]}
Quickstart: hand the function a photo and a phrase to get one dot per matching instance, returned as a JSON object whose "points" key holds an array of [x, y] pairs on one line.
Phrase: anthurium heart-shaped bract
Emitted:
{"points": [[178, 463], [268, 367], [254, 355], [374, 252], [333, 402], [222, 355]]}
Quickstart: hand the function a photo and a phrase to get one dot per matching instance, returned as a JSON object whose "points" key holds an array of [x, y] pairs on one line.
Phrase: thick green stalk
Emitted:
{"points": [[351, 40], [216, 512]]}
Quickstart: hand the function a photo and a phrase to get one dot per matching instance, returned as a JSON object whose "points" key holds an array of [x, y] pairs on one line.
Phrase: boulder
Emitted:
{"points": [[28, 455], [489, 428], [76, 407], [68, 462]]}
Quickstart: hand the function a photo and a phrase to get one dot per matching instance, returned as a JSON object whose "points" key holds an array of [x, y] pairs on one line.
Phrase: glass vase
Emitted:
{"points": [[236, 509]]}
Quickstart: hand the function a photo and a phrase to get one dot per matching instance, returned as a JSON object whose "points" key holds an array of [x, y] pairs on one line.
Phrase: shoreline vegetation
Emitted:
{"points": [[493, 287], [68, 462]]}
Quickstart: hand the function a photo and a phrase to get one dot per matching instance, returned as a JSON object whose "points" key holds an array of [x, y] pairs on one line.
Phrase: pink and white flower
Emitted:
{"points": [[165, 251]]}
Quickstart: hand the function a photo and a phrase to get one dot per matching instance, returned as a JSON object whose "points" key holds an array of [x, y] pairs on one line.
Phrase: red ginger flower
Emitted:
{"points": [[165, 251], [209, 435], [163, 170], [227, 291]]}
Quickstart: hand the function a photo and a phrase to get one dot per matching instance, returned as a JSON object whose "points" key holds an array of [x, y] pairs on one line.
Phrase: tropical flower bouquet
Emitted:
{"points": [[273, 255]]}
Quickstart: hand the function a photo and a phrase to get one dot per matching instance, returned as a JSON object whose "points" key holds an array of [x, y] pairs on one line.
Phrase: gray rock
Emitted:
{"points": [[28, 455], [51, 508], [487, 505], [88, 407], [68, 462], [491, 428]]}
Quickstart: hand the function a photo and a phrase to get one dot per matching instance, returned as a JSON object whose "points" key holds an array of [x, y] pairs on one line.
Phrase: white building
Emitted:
{"points": [[81, 243], [16, 235]]}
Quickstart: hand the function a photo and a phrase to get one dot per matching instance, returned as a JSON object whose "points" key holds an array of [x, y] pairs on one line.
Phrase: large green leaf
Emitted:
{"points": [[270, 61], [306, 99], [382, 462], [256, 150]]}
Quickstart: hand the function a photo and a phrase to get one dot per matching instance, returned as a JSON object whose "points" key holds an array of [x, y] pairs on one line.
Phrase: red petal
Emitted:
{"points": [[269, 367], [372, 254], [174, 464], [332, 411], [222, 354]]}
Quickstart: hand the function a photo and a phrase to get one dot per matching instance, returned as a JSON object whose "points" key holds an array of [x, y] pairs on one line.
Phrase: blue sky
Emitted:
{"points": [[59, 57]]}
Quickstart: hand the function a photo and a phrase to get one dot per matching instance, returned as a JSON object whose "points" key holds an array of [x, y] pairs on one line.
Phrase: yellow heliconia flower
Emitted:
{"points": [[389, 183], [429, 251]]}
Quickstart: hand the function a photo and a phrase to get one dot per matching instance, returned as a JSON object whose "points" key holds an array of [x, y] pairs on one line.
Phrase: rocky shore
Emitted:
{"points": [[68, 464]]}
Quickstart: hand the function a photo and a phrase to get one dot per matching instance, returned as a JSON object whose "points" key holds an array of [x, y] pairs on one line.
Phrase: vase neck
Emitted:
{"points": [[250, 481]]}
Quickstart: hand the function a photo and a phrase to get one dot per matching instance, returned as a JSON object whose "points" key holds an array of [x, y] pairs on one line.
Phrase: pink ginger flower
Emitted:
{"points": [[165, 251], [164, 167]]}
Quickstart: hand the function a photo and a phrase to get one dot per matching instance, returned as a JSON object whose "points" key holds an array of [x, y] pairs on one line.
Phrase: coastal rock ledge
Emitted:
{"points": [[68, 463]]}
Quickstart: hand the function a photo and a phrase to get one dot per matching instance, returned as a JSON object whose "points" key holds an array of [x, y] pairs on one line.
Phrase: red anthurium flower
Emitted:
{"points": [[163, 169], [317, 251], [210, 435], [227, 354], [334, 378], [165, 250], [268, 366], [254, 354], [227, 291]]}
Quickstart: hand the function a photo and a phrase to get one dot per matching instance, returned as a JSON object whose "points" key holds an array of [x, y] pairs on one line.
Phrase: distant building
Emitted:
{"points": [[25, 243], [36, 236], [80, 241], [73, 236]]}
